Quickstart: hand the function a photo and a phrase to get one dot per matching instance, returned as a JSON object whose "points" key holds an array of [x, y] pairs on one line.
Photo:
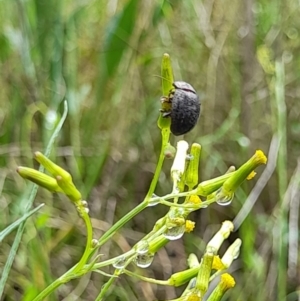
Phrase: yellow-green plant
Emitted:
{"points": [[187, 195]]}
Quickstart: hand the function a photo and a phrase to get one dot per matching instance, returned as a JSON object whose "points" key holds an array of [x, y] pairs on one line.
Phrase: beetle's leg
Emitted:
{"points": [[165, 99], [165, 113]]}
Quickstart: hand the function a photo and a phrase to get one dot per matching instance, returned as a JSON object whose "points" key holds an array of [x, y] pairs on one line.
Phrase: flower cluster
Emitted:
{"points": [[187, 195]]}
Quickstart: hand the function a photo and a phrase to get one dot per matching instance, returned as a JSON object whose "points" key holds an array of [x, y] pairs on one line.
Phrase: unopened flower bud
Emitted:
{"points": [[192, 171], [206, 188], [54, 169], [178, 166], [39, 178], [216, 242], [167, 80], [204, 273], [245, 171], [183, 277], [61, 176], [69, 189], [193, 261], [232, 253], [157, 243]]}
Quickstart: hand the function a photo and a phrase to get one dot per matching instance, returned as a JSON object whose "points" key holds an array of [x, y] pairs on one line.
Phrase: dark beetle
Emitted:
{"points": [[185, 108]]}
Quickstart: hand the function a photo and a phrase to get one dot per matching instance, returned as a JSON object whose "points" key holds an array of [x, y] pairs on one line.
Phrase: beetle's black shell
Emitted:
{"points": [[185, 108]]}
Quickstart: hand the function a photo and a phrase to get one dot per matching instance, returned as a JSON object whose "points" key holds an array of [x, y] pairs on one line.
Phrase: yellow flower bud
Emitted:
{"points": [[183, 277], [192, 172], [39, 178], [226, 282], [61, 177], [204, 273], [208, 187], [54, 169], [225, 195], [69, 189], [231, 184]]}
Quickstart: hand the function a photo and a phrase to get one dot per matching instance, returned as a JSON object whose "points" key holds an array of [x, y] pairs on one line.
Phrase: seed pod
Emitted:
{"points": [[185, 109]]}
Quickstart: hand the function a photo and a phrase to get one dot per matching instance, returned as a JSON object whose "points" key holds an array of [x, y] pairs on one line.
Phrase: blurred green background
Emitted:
{"points": [[104, 57]]}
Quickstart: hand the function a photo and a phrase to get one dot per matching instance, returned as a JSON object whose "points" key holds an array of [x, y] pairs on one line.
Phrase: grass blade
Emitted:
{"points": [[34, 188], [15, 224]]}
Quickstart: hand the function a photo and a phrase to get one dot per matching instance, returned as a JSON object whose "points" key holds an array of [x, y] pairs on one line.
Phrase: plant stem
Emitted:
{"points": [[79, 268], [108, 234], [165, 133], [54, 285], [105, 288], [165, 138], [88, 248]]}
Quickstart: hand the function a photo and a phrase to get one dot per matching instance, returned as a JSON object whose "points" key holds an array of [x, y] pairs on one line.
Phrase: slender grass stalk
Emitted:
{"points": [[282, 179], [31, 198], [105, 288], [14, 225]]}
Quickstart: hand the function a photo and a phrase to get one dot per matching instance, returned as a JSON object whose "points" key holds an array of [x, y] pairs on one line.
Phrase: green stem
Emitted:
{"points": [[165, 138], [88, 248], [120, 223], [147, 279], [108, 234], [105, 288], [54, 285], [165, 133], [78, 269]]}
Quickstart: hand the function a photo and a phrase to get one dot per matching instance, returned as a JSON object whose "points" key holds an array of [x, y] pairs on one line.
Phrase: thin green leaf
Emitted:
{"points": [[15, 224], [117, 39], [33, 192]]}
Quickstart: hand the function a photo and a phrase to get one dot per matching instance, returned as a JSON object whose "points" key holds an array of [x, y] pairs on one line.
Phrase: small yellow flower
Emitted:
{"points": [[251, 175], [194, 199], [53, 168], [189, 226], [218, 264], [227, 281], [260, 157]]}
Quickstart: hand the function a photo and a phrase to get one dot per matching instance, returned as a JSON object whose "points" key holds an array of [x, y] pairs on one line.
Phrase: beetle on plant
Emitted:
{"points": [[184, 108]]}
